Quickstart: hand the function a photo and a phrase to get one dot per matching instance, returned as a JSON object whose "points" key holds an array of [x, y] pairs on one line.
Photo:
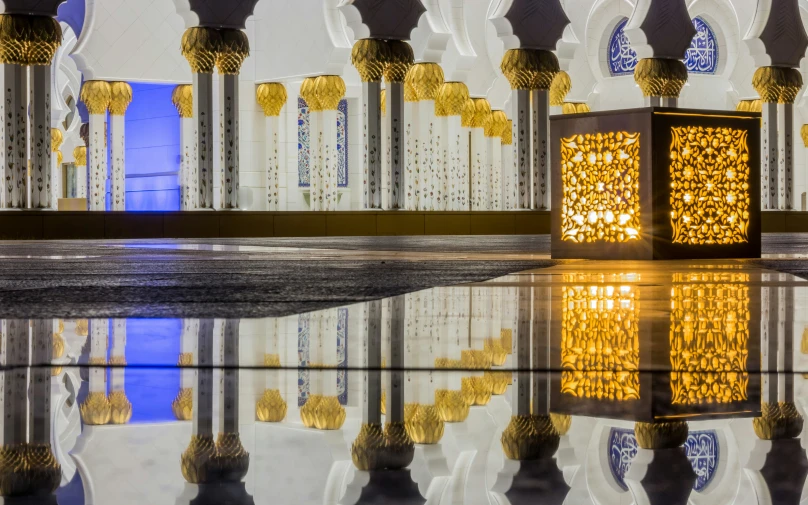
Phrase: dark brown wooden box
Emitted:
{"points": [[685, 183]]}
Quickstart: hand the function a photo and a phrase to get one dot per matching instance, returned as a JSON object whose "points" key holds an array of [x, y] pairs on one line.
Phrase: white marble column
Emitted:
{"points": [[182, 406], [466, 120], [540, 113], [480, 173], [386, 152], [370, 56], [411, 147], [39, 386], [398, 122], [121, 97], [80, 159], [229, 399], [204, 387], [183, 99], [41, 164], [15, 103], [453, 96], [309, 95], [427, 78], [56, 168], [96, 408], [271, 407], [234, 50], [493, 132], [229, 126], [510, 174], [14, 385], [330, 90], [200, 46], [523, 152], [271, 96], [121, 407], [785, 154], [96, 95]]}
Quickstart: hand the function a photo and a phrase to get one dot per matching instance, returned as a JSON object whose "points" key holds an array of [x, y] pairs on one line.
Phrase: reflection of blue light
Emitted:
{"points": [[152, 149], [151, 391]]}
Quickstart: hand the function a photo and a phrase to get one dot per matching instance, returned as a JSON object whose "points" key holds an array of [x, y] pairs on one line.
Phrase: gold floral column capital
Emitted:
{"points": [[494, 125], [753, 105], [409, 92], [183, 99], [56, 139], [183, 405], [574, 108], [660, 77], [234, 49], [96, 409], [529, 437], [330, 90], [96, 95], [778, 421], [371, 57], [120, 408], [308, 93], [80, 156], [804, 135], [198, 460], [232, 460], [777, 84], [507, 140], [200, 45], [453, 97], [426, 79], [482, 110], [529, 68], [271, 407], [401, 59], [329, 414], [43, 471], [467, 115], [424, 425], [665, 435], [120, 97], [368, 450], [400, 447], [451, 405], [271, 96], [559, 88], [28, 40]]}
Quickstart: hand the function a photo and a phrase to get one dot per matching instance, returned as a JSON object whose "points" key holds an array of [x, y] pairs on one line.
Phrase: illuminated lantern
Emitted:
{"points": [[656, 183]]}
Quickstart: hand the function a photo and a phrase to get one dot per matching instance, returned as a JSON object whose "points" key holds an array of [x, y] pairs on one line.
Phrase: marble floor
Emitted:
{"points": [[399, 371]]}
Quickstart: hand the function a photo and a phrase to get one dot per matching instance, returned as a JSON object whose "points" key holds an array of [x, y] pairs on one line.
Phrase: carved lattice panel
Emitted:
{"points": [[600, 347], [709, 185], [709, 338], [600, 178]]}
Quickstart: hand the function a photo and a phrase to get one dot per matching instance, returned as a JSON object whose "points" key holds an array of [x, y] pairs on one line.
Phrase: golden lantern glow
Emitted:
{"points": [[709, 338], [709, 185], [600, 342], [600, 175]]}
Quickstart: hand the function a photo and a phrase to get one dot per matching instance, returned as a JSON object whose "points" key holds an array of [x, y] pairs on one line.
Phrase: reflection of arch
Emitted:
{"points": [[722, 489], [702, 449]]}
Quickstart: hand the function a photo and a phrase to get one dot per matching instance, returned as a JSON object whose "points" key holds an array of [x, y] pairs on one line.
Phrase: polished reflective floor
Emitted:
{"points": [[581, 383]]}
